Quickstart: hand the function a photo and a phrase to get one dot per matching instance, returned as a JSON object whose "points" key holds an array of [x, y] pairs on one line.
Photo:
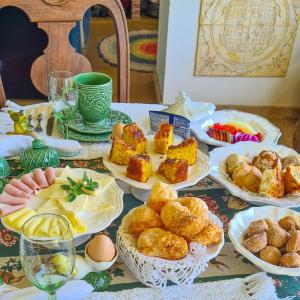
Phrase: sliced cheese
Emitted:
{"points": [[76, 205], [13, 216], [77, 225], [54, 191], [43, 228], [18, 223], [31, 226], [94, 203], [54, 230]]}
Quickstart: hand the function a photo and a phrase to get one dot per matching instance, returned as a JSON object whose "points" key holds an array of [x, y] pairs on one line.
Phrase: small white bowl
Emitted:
{"points": [[99, 266]]}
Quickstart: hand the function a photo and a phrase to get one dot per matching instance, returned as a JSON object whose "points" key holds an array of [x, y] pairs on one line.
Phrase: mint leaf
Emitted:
{"points": [[71, 197], [71, 181], [85, 177], [65, 187]]}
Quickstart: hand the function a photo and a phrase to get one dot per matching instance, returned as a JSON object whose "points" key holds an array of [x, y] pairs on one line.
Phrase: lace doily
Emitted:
{"points": [[156, 272]]}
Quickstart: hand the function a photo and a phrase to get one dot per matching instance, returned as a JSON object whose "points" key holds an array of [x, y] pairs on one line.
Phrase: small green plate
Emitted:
{"points": [[106, 126]]}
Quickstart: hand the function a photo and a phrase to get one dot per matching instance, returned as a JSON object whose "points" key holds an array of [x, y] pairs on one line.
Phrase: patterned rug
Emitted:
{"points": [[143, 50]]}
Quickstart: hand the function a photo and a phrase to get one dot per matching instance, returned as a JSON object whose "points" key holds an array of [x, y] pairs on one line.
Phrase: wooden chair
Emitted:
{"points": [[57, 18]]}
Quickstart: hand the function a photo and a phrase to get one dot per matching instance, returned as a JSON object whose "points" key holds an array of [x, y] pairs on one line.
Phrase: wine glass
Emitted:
{"points": [[47, 258], [61, 90]]}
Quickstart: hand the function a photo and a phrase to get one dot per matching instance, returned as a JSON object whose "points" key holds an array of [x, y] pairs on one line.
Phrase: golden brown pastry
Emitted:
{"points": [[271, 255], [178, 219], [290, 161], [256, 242], [290, 260], [267, 160], [277, 236], [247, 177], [143, 218], [195, 205], [256, 227], [272, 184], [291, 177], [161, 243], [233, 161], [293, 244], [160, 194], [288, 223], [210, 235]]}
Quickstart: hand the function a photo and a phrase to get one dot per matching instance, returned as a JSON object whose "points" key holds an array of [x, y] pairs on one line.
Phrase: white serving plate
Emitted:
{"points": [[94, 221], [195, 173], [155, 272], [271, 133], [241, 221], [249, 149]]}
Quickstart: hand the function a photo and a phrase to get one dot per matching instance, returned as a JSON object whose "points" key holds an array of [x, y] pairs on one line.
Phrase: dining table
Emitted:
{"points": [[228, 264]]}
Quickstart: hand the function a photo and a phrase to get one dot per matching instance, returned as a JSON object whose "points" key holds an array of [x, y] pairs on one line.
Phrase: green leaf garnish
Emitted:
{"points": [[65, 187], [71, 197], [71, 181], [85, 177]]}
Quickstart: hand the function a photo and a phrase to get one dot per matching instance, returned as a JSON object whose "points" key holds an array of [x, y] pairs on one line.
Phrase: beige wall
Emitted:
{"points": [[176, 58]]}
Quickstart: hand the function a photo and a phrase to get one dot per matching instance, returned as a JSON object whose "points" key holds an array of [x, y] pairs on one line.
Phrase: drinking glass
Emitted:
{"points": [[48, 262], [61, 90]]}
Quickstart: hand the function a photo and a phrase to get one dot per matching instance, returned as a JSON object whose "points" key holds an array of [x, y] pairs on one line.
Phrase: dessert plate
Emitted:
{"points": [[241, 221], [94, 221], [249, 149], [196, 172], [270, 133]]}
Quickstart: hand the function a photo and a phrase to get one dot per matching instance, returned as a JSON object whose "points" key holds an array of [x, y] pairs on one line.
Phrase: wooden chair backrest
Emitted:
{"points": [[57, 18]]}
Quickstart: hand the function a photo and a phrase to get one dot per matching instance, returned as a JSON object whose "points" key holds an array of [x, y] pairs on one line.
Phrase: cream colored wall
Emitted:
{"points": [[176, 69]]}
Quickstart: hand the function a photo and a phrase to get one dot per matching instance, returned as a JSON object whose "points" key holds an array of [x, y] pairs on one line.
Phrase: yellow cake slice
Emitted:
{"points": [[139, 167], [186, 150], [174, 170], [134, 136], [120, 151], [163, 138]]}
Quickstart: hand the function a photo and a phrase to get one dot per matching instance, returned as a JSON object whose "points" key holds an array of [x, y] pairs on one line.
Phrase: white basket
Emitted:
{"points": [[156, 272]]}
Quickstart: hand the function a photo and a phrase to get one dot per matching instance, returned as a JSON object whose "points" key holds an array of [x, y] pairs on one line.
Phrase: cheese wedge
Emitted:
{"points": [[15, 215], [43, 228], [77, 205], [54, 191], [93, 203]]}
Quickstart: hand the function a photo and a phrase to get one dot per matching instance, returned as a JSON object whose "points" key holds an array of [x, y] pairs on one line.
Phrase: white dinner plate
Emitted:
{"points": [[270, 133], [195, 173], [94, 221], [241, 221], [249, 149]]}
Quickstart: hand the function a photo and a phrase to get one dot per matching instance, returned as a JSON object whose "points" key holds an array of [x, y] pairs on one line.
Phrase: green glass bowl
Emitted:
{"points": [[39, 156]]}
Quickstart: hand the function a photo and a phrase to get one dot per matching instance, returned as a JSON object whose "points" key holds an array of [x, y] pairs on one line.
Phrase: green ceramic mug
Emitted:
{"points": [[94, 96]]}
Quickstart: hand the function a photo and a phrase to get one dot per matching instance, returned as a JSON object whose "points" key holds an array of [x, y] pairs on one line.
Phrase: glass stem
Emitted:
{"points": [[52, 296]]}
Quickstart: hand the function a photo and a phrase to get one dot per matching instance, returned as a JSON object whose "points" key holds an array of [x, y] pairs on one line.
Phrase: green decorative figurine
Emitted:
{"points": [[20, 120], [38, 156]]}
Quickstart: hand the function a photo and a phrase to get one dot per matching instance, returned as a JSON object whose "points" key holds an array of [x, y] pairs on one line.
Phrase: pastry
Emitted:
{"points": [[186, 150], [272, 184], [290, 260], [288, 223], [179, 220], [291, 177], [256, 227], [196, 206], [120, 152], [277, 236], [160, 194], [174, 170], [139, 167], [271, 255], [143, 218], [256, 242], [134, 136], [210, 235], [161, 243], [290, 161], [233, 161], [163, 138], [293, 244], [267, 160], [247, 177]]}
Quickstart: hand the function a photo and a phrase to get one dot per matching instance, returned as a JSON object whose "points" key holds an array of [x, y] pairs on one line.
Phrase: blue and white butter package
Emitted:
{"points": [[181, 125]]}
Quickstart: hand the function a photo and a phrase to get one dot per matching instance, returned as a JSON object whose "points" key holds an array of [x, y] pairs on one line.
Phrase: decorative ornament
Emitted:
{"points": [[55, 2], [39, 156], [20, 120]]}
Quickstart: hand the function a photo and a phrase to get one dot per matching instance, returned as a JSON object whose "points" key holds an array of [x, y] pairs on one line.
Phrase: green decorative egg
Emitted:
{"points": [[4, 167], [39, 156]]}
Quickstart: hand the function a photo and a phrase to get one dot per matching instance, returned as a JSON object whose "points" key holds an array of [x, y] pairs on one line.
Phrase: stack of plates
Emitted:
{"points": [[71, 126]]}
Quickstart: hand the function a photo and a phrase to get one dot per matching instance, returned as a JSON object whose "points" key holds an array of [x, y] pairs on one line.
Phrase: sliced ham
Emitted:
{"points": [[21, 186], [12, 200], [13, 191], [40, 178], [8, 209], [50, 175], [28, 180]]}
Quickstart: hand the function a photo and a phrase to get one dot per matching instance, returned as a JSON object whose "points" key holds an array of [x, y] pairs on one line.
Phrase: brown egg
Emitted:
{"points": [[101, 249], [117, 130]]}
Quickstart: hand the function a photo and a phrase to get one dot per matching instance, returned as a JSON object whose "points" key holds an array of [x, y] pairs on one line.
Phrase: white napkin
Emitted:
{"points": [[14, 145], [72, 290]]}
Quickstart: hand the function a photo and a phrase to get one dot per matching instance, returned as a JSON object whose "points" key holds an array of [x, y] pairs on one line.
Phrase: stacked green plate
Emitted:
{"points": [[71, 126]]}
